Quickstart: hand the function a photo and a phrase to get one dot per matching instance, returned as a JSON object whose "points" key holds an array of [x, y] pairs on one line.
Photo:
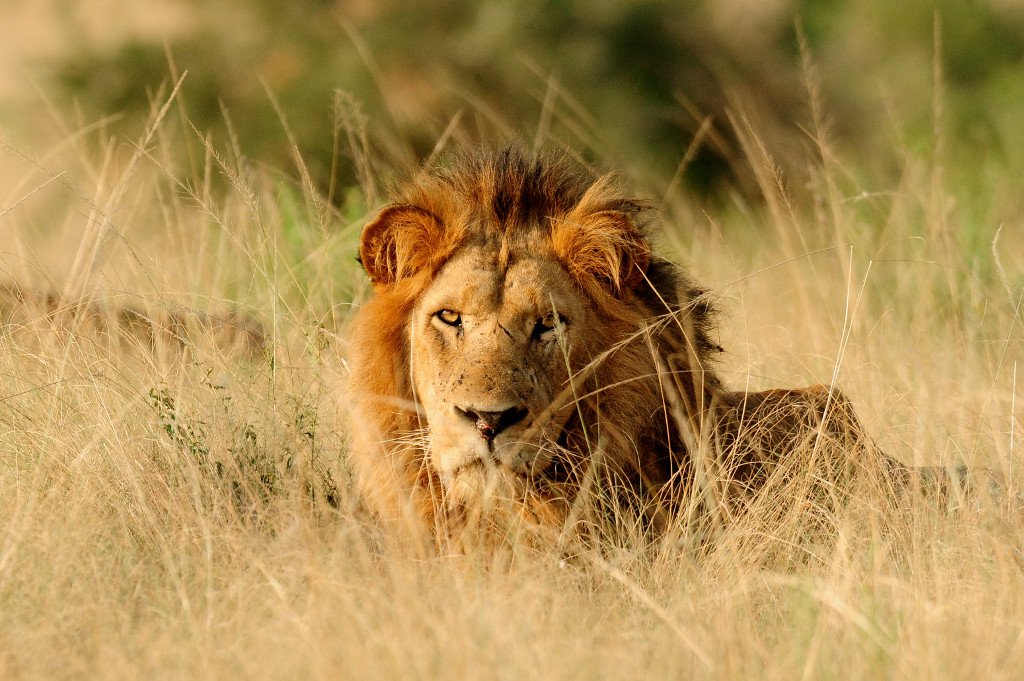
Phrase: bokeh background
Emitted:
{"points": [[633, 80]]}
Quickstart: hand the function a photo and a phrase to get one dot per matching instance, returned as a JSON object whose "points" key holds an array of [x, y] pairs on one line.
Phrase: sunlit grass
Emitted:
{"points": [[180, 506]]}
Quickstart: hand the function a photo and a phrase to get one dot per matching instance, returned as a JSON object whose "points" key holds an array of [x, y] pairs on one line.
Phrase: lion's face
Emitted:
{"points": [[492, 347]]}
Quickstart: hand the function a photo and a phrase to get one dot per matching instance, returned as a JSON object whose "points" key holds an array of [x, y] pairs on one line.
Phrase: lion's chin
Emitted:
{"points": [[478, 481], [489, 503]]}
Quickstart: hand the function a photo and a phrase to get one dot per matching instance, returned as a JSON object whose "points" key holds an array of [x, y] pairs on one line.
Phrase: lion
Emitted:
{"points": [[525, 355]]}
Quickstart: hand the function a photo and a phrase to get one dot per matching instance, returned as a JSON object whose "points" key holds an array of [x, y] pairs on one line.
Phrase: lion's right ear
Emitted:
{"points": [[604, 247], [399, 242]]}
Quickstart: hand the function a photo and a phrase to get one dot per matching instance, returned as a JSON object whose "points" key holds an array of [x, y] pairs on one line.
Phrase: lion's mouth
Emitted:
{"points": [[480, 478], [481, 465], [510, 465]]}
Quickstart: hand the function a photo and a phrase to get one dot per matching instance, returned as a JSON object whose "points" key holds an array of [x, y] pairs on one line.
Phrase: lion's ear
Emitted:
{"points": [[605, 247], [398, 243]]}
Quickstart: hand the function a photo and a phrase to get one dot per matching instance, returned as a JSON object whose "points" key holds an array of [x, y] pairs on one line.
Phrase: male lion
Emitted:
{"points": [[525, 355]]}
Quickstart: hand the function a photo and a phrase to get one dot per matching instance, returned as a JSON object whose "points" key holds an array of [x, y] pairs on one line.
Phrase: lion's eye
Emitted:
{"points": [[547, 324], [449, 317]]}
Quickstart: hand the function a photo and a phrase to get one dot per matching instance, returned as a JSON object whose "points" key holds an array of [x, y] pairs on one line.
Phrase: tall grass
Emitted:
{"points": [[174, 505]]}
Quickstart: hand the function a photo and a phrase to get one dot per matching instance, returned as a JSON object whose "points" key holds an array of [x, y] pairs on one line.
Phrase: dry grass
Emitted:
{"points": [[182, 509]]}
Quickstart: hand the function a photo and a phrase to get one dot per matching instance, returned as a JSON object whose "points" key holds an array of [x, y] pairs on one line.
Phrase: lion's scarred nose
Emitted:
{"points": [[490, 423]]}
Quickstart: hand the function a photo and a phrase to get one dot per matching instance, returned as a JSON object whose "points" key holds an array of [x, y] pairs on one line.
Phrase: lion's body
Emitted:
{"points": [[525, 353]]}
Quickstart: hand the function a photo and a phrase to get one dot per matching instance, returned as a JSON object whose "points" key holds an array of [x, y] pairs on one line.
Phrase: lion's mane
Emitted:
{"points": [[650, 394]]}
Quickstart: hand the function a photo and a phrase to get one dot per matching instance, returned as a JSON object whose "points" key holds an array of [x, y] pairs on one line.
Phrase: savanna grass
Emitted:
{"points": [[177, 503]]}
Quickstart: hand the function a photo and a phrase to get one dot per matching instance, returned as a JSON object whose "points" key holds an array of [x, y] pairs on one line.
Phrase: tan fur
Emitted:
{"points": [[618, 387]]}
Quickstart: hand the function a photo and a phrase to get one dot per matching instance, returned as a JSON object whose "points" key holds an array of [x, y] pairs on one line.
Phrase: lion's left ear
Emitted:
{"points": [[399, 242], [606, 247]]}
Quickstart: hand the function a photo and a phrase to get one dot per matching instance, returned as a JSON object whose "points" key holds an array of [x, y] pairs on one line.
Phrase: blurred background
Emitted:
{"points": [[657, 86]]}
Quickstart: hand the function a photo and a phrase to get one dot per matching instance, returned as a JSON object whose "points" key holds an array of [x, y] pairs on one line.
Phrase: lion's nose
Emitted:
{"points": [[490, 423]]}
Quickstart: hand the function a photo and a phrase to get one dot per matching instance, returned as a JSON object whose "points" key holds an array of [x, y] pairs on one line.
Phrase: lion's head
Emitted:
{"points": [[520, 337]]}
